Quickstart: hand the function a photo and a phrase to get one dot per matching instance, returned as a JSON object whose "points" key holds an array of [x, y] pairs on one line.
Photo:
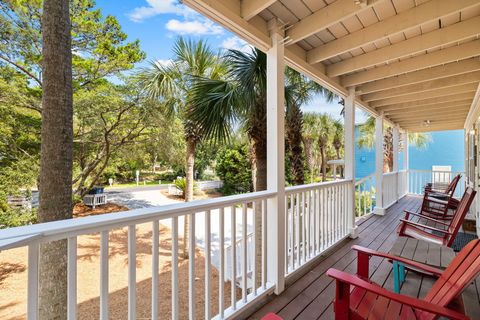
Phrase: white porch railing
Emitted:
{"points": [[364, 196], [224, 212], [316, 218], [417, 179], [390, 188]]}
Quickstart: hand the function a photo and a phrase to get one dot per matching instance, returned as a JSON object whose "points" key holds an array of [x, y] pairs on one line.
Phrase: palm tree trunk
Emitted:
{"points": [[191, 146], [294, 142], [324, 164], [55, 182]]}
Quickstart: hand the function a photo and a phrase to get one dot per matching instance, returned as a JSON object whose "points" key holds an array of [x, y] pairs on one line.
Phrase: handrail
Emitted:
{"points": [[55, 230], [311, 186], [359, 181]]}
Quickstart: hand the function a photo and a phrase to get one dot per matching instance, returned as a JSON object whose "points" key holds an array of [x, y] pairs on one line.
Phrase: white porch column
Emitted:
{"points": [[406, 165], [275, 160], [396, 141], [350, 157], [379, 209]]}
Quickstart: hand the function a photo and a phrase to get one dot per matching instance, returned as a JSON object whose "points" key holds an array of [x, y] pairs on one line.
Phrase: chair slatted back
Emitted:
{"points": [[464, 268], [453, 185], [460, 214]]}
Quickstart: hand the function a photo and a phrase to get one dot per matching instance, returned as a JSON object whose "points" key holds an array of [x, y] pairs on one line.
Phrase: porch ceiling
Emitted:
{"points": [[416, 60]]}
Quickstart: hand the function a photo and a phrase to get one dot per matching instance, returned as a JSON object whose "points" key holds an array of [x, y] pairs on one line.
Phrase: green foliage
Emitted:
{"points": [[363, 199], [99, 45], [181, 183], [234, 168], [17, 217], [19, 139]]}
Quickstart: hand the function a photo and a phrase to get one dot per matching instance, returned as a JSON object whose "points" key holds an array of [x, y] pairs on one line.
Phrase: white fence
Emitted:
{"points": [[317, 217]]}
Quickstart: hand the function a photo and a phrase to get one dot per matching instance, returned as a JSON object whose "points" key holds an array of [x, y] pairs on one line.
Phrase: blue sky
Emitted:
{"points": [[157, 23]]}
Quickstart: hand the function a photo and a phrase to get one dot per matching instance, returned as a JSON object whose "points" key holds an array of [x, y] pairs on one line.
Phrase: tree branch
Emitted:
{"points": [[16, 65]]}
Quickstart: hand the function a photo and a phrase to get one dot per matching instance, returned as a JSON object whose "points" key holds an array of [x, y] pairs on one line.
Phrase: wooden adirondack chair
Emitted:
{"points": [[436, 203], [367, 300], [420, 231]]}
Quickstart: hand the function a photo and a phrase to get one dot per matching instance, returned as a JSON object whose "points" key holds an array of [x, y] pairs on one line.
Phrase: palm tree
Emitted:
{"points": [[309, 137], [298, 91], [240, 98], [337, 140], [55, 181], [324, 140], [172, 83], [367, 140]]}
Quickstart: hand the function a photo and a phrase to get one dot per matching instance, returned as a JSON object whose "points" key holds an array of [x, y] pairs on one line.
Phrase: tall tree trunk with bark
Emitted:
{"points": [[55, 183], [189, 173], [258, 137]]}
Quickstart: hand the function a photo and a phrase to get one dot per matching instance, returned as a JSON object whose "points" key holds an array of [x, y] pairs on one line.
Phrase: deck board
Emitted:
{"points": [[310, 297]]}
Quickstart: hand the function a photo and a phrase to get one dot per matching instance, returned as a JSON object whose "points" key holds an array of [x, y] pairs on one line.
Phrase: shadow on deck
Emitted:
{"points": [[310, 297]]}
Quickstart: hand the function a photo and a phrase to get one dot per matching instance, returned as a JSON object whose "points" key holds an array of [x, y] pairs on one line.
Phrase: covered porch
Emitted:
{"points": [[310, 295]]}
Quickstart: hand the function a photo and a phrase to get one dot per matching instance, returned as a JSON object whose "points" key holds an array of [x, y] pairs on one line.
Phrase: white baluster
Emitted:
{"points": [[32, 304], [155, 263], [104, 275], [208, 270], [132, 270], [234, 258], [191, 267], [175, 307], [72, 278]]}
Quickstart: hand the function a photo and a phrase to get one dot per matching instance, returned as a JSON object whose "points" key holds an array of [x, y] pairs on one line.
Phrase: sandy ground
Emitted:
{"points": [[13, 277]]}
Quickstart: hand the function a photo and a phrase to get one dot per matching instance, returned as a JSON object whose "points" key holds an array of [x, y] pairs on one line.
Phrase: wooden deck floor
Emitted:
{"points": [[310, 297]]}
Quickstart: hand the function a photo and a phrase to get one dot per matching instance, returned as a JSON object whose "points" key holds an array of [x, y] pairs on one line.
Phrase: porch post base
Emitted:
{"points": [[379, 211], [354, 232]]}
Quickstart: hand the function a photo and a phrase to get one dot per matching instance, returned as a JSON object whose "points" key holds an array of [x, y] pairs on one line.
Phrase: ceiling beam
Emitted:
{"points": [[425, 102], [430, 108], [445, 114], [436, 122], [441, 92], [427, 112], [460, 52], [324, 18], [472, 77], [429, 74], [250, 8], [434, 39], [439, 127], [431, 10]]}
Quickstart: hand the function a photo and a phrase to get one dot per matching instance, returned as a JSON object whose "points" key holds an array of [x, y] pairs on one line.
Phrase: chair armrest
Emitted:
{"points": [[405, 300], [426, 217], [415, 264], [424, 226]]}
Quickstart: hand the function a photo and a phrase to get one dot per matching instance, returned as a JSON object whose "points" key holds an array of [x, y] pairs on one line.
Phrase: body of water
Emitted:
{"points": [[445, 149]]}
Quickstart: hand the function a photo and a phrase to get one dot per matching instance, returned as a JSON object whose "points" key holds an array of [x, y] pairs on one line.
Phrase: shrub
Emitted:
{"points": [[181, 183], [234, 168]]}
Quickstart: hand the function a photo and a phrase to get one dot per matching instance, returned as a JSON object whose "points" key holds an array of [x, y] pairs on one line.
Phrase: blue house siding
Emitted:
{"points": [[446, 149]]}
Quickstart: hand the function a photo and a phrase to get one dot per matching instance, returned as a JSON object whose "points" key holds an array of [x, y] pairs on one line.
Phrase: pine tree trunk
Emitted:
{"points": [[55, 182], [191, 146]]}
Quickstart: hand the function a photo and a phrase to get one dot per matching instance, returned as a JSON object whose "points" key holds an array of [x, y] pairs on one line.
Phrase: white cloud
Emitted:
{"points": [[194, 27], [156, 7], [164, 62], [235, 43]]}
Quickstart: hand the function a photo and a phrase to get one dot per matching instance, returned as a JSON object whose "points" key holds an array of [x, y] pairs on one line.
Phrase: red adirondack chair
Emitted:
{"points": [[420, 231], [367, 300], [436, 203]]}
